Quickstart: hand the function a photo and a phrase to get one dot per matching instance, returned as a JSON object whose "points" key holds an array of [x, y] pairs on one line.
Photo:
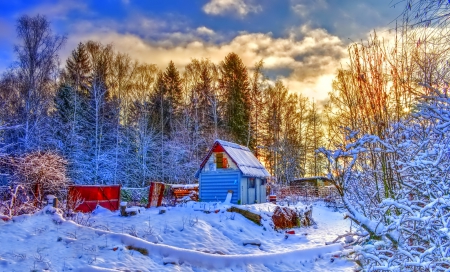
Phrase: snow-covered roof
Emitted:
{"points": [[243, 157], [314, 178]]}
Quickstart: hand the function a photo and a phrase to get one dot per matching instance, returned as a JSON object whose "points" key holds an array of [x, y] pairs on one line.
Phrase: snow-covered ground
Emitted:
{"points": [[181, 239]]}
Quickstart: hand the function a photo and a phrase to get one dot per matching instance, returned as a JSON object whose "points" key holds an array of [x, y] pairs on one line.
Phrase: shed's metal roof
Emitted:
{"points": [[242, 157]]}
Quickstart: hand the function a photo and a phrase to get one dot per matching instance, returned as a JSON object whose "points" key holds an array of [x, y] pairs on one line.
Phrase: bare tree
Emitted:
{"points": [[258, 85], [36, 69], [425, 25], [201, 116], [122, 70], [315, 135]]}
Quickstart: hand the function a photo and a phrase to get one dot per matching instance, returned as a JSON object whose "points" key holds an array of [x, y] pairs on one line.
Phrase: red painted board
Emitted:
{"points": [[107, 196]]}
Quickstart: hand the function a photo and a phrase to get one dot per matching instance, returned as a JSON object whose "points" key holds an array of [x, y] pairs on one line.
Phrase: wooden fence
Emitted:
{"points": [[308, 193]]}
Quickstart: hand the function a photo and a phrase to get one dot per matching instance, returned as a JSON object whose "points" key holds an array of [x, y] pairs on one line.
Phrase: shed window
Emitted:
{"points": [[219, 160], [251, 183]]}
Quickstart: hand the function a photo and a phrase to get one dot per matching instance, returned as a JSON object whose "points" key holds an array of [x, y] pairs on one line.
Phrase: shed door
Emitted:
{"points": [[251, 183], [214, 186]]}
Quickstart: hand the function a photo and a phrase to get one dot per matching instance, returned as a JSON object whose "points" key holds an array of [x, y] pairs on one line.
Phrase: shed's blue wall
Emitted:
{"points": [[214, 185]]}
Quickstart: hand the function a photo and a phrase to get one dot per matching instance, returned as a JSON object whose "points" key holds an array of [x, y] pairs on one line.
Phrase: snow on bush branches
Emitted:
{"points": [[40, 173], [34, 175], [396, 188]]}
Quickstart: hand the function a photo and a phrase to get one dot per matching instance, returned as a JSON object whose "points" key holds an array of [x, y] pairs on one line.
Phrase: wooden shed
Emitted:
{"points": [[232, 167], [311, 181]]}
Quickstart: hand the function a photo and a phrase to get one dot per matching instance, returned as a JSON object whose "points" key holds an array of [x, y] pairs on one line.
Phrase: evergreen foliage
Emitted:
{"points": [[235, 86]]}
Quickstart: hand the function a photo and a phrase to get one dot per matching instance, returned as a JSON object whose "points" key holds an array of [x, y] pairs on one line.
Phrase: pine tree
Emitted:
{"points": [[167, 98], [78, 69], [65, 106], [234, 83], [71, 110], [100, 117], [173, 94]]}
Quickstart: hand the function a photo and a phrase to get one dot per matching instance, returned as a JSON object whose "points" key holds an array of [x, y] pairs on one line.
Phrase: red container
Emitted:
{"points": [[273, 198], [107, 196]]}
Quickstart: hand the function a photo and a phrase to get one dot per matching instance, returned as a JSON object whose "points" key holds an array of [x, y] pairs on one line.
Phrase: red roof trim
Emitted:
{"points": [[217, 147]]}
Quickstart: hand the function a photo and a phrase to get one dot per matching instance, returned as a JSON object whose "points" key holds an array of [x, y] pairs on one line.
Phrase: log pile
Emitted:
{"points": [[286, 218]]}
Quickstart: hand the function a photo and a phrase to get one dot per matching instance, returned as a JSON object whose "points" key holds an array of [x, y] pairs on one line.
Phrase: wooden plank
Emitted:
{"points": [[256, 218]]}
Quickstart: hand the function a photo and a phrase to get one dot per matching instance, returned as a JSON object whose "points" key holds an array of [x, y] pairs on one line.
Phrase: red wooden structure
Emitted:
{"points": [[180, 192], [107, 196], [155, 194], [273, 198]]}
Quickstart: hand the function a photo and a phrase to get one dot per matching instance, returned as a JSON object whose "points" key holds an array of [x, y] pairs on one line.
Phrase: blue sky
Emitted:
{"points": [[302, 42]]}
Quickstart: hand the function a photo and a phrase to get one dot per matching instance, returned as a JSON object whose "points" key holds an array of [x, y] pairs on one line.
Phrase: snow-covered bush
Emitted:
{"points": [[40, 174], [397, 190], [18, 202]]}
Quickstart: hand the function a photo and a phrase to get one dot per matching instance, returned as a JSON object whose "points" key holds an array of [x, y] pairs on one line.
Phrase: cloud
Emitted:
{"points": [[305, 7], [220, 7], [58, 10], [305, 58], [345, 18], [308, 57], [205, 31]]}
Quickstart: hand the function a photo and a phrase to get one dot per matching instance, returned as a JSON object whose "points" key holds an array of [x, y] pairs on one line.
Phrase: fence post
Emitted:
{"points": [[123, 207]]}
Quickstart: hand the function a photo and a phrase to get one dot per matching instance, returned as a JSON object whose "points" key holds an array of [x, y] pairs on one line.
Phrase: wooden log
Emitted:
{"points": [[256, 218]]}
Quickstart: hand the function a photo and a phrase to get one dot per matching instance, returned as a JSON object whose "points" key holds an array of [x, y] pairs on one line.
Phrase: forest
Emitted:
{"points": [[116, 120], [382, 137]]}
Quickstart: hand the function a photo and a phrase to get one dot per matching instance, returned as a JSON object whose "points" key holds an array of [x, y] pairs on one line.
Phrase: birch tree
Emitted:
{"points": [[37, 55]]}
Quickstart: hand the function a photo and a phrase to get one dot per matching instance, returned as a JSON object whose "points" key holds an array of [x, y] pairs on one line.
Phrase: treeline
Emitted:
{"points": [[117, 120]]}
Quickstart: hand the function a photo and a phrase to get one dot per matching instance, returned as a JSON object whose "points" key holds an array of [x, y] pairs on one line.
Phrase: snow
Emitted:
{"points": [[50, 198], [132, 209], [251, 242], [228, 198], [185, 238], [184, 186]]}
